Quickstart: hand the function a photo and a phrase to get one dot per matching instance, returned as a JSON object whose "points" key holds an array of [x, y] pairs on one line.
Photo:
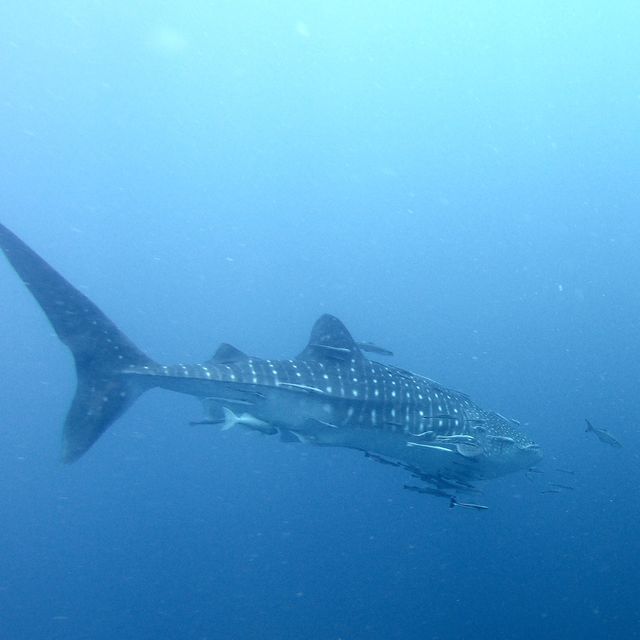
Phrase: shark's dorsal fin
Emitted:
{"points": [[227, 353], [330, 339]]}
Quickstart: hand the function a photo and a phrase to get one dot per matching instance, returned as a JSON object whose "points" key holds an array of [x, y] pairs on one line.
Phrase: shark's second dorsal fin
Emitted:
{"points": [[330, 339], [227, 353]]}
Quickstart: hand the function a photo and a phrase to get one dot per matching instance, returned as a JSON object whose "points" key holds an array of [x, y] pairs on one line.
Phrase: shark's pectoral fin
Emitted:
{"points": [[288, 436], [469, 450]]}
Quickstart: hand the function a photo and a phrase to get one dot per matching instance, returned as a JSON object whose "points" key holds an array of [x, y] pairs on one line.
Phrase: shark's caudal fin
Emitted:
{"points": [[101, 351]]}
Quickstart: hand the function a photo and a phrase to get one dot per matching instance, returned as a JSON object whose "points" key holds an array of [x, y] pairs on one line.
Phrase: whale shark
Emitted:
{"points": [[330, 394]]}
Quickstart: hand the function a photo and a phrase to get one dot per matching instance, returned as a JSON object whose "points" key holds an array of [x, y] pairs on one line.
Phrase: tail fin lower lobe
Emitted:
{"points": [[100, 350]]}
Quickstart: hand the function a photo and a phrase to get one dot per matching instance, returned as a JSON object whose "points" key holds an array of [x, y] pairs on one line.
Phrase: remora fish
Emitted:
{"points": [[370, 347], [330, 394], [453, 502], [603, 435]]}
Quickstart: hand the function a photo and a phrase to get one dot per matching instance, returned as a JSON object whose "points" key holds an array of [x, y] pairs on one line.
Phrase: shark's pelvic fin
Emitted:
{"points": [[100, 350]]}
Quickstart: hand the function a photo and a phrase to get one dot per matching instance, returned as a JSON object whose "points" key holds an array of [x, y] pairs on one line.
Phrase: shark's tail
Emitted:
{"points": [[100, 350]]}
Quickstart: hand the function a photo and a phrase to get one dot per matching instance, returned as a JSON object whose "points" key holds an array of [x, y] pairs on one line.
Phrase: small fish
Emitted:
{"points": [[403, 373], [381, 460], [253, 393], [557, 485], [534, 470], [603, 435], [551, 491], [427, 435], [514, 421], [304, 388], [448, 483], [428, 490], [327, 347], [246, 420], [428, 446], [374, 348], [337, 353], [218, 399], [315, 422], [567, 471], [458, 438], [467, 505], [501, 439], [194, 423]]}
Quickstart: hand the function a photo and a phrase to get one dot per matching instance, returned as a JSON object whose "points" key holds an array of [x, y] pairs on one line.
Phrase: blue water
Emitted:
{"points": [[456, 181]]}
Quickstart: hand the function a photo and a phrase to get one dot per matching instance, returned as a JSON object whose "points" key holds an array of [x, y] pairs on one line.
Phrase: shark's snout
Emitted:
{"points": [[530, 454]]}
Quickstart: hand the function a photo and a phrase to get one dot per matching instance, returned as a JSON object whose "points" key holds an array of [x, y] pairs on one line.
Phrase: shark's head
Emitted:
{"points": [[527, 456], [511, 458], [506, 447]]}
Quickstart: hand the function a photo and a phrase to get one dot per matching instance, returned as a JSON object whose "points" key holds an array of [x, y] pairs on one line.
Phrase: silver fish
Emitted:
{"points": [[467, 505], [603, 435]]}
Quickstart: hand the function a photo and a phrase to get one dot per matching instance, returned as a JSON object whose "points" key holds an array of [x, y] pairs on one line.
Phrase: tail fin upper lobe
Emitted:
{"points": [[100, 350]]}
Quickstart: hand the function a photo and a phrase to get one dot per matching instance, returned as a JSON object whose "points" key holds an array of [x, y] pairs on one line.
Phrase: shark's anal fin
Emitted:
{"points": [[100, 350]]}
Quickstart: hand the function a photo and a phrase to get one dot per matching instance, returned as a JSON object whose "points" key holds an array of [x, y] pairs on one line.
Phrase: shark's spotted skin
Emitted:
{"points": [[380, 396], [371, 394], [354, 394], [330, 394]]}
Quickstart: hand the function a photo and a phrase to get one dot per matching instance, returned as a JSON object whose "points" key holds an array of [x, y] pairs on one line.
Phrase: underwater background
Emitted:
{"points": [[456, 180]]}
